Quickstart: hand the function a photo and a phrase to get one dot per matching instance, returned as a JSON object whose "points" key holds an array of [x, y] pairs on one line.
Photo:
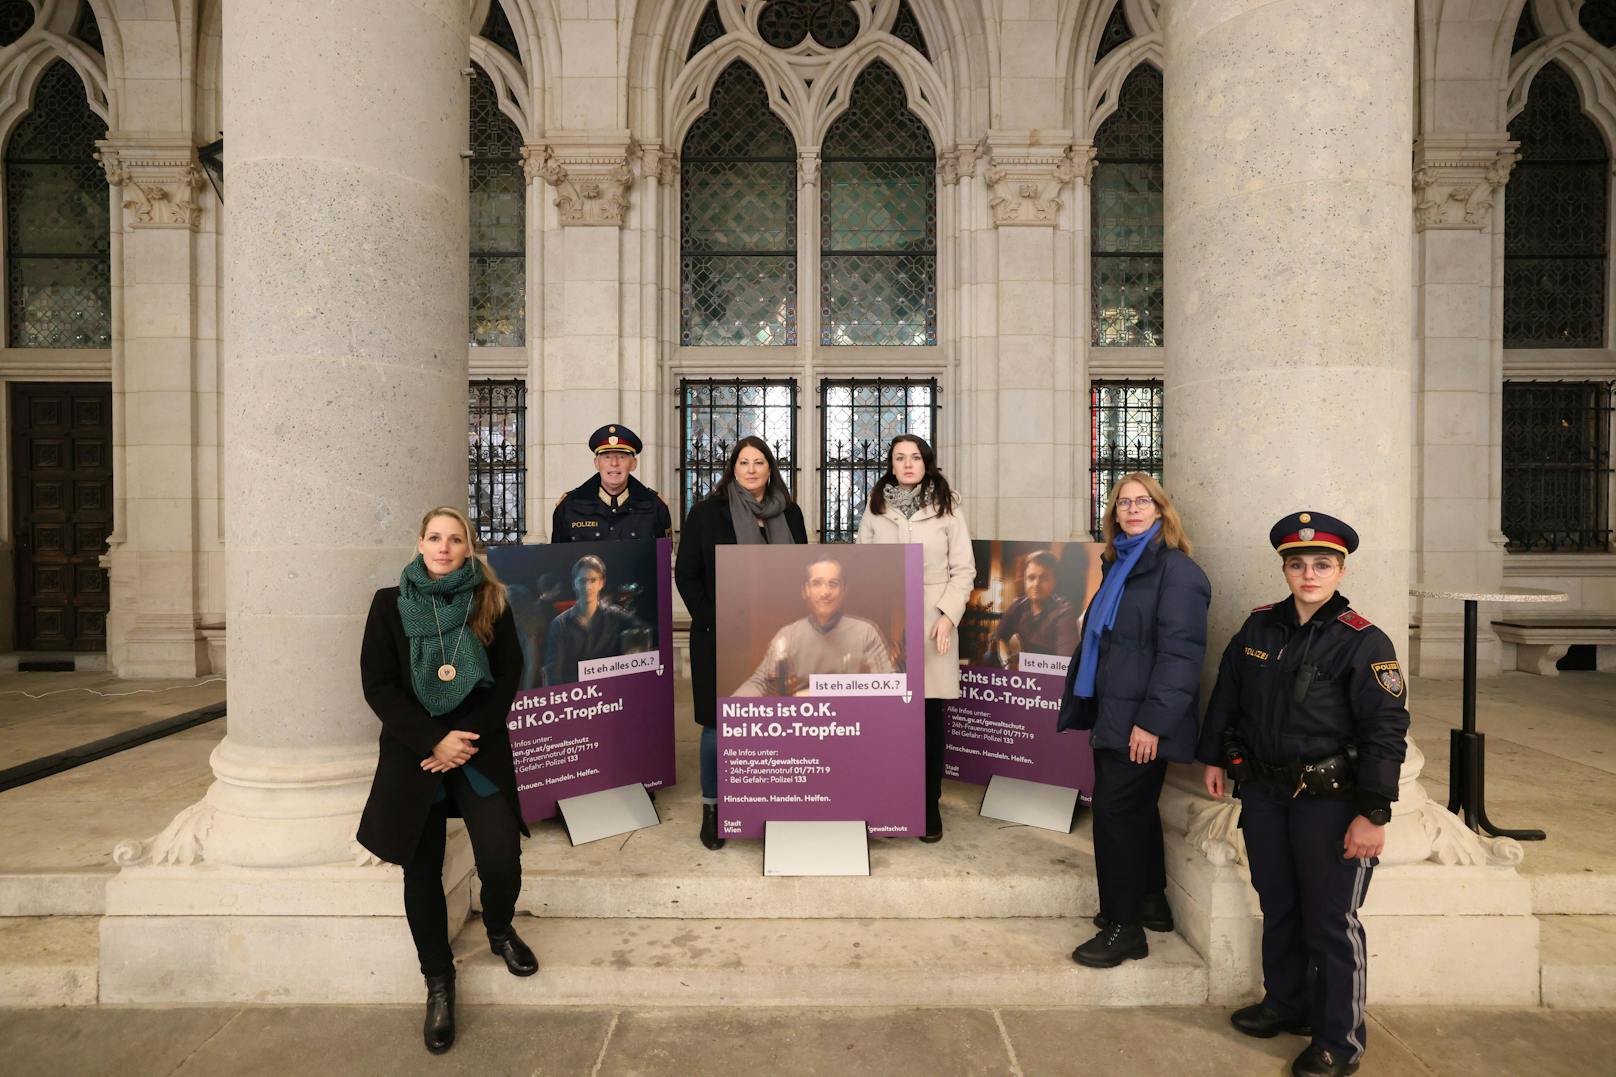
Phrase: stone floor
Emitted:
{"points": [[364, 1040]]}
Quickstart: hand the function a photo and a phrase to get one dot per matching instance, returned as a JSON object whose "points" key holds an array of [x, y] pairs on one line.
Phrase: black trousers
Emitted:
{"points": [[1128, 854], [1314, 956], [934, 752], [496, 844]]}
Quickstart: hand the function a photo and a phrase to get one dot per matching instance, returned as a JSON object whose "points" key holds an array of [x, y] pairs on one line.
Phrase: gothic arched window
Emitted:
{"points": [[738, 220], [58, 271], [1555, 212], [498, 222], [1126, 218], [878, 220]]}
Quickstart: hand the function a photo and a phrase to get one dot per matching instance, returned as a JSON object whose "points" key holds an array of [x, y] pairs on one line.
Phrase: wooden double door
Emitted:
{"points": [[61, 460]]}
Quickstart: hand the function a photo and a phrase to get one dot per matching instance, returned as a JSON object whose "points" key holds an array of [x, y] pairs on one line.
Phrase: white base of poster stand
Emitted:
{"points": [[609, 812], [839, 848], [1016, 800]]}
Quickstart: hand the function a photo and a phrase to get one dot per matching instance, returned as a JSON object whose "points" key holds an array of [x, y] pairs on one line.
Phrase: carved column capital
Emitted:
{"points": [[161, 182], [1026, 172], [958, 163], [1456, 179], [660, 163], [808, 168], [590, 171]]}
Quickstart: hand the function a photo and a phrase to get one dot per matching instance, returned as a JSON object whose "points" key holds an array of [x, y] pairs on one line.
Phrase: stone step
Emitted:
{"points": [[1579, 961], [866, 962], [981, 868], [49, 960]]}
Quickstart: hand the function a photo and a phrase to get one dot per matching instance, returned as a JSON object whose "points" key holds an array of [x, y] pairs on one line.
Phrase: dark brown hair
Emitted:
{"points": [[776, 483], [934, 489]]}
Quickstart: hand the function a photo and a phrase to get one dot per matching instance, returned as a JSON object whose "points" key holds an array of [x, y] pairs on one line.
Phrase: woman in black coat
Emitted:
{"points": [[440, 663], [1134, 682], [749, 504]]}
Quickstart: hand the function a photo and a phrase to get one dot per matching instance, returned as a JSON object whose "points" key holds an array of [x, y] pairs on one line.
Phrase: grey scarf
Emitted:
{"points": [[745, 511], [905, 501]]}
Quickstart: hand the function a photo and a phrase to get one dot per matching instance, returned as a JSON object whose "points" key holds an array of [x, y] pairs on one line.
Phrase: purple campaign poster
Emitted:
{"points": [[595, 706], [821, 687], [1020, 629]]}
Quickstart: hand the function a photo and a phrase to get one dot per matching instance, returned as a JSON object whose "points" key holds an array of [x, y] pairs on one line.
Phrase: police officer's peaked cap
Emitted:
{"points": [[615, 438], [1313, 531]]}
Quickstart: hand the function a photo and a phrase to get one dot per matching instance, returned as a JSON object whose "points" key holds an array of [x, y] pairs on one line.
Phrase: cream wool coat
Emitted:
{"points": [[948, 568]]}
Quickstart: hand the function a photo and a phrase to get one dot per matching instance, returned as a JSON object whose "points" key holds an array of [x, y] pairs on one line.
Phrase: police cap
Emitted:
{"points": [[1313, 531], [615, 438]]}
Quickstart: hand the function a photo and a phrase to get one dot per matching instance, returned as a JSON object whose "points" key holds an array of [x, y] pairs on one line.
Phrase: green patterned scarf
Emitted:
{"points": [[452, 596]]}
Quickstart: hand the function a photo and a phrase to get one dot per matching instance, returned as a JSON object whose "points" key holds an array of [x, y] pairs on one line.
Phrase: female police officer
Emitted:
{"points": [[1308, 719]]}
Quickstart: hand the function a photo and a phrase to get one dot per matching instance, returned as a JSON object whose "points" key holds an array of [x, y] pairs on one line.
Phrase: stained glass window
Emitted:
{"points": [[1125, 199], [1598, 17], [784, 23], [496, 460], [859, 417], [708, 30], [1555, 209], [878, 220], [498, 222], [16, 16], [906, 28], [86, 29], [715, 413], [1115, 34], [1125, 431], [1556, 481], [497, 28], [58, 273], [1526, 30], [738, 220]]}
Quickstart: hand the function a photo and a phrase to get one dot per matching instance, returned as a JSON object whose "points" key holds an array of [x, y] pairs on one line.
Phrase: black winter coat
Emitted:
{"points": [[581, 516], [1356, 695], [401, 794], [707, 527], [1150, 660]]}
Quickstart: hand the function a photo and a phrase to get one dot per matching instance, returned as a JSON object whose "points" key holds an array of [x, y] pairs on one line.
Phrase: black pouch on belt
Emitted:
{"points": [[1331, 776]]}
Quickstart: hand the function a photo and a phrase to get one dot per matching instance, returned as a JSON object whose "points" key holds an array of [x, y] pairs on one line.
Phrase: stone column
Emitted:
{"points": [[1288, 253], [166, 392], [1458, 219], [1026, 367], [585, 384], [344, 383]]}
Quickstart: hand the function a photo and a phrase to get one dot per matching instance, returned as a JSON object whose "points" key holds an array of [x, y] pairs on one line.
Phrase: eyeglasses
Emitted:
{"points": [[1321, 566], [1144, 501]]}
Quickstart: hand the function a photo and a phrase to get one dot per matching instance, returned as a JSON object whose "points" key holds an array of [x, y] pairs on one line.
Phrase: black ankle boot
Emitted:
{"points": [[709, 827], [519, 960], [1111, 947], [1155, 914], [439, 1028]]}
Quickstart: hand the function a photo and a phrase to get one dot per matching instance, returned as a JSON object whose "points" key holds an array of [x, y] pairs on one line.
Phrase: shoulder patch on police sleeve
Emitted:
{"points": [[1259, 609], [1355, 620], [1389, 675]]}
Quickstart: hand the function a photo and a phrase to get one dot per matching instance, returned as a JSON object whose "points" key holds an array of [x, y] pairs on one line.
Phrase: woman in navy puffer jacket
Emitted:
{"points": [[1134, 682]]}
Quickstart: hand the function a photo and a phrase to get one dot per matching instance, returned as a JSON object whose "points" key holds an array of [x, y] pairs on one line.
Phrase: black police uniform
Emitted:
{"points": [[1293, 694], [583, 515]]}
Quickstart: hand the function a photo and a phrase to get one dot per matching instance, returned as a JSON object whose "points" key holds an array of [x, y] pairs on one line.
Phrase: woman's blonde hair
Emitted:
{"points": [[490, 599], [1172, 528]]}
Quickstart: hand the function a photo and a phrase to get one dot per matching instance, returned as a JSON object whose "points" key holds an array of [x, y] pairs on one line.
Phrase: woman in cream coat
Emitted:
{"points": [[913, 503]]}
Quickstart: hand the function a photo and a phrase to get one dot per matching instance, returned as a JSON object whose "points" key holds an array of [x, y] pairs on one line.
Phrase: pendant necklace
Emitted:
{"points": [[446, 672]]}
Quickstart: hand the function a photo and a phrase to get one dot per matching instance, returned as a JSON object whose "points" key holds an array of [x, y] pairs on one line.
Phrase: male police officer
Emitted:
{"points": [[1308, 719], [613, 504]]}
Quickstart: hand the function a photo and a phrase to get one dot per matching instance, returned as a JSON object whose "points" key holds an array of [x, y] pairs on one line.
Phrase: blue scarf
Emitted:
{"points": [[1102, 613]]}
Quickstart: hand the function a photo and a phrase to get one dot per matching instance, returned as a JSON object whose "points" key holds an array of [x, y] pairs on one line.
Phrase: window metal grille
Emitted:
{"points": [[86, 29], [496, 460], [58, 268], [906, 28], [784, 23], [1526, 30], [708, 30], [1125, 200], [498, 306], [1125, 432], [1557, 471], [878, 220], [1555, 214], [16, 17], [738, 220], [1598, 17], [859, 417], [715, 413]]}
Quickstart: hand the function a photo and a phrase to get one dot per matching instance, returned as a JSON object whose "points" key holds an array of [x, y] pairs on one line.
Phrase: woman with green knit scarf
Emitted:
{"points": [[440, 665]]}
